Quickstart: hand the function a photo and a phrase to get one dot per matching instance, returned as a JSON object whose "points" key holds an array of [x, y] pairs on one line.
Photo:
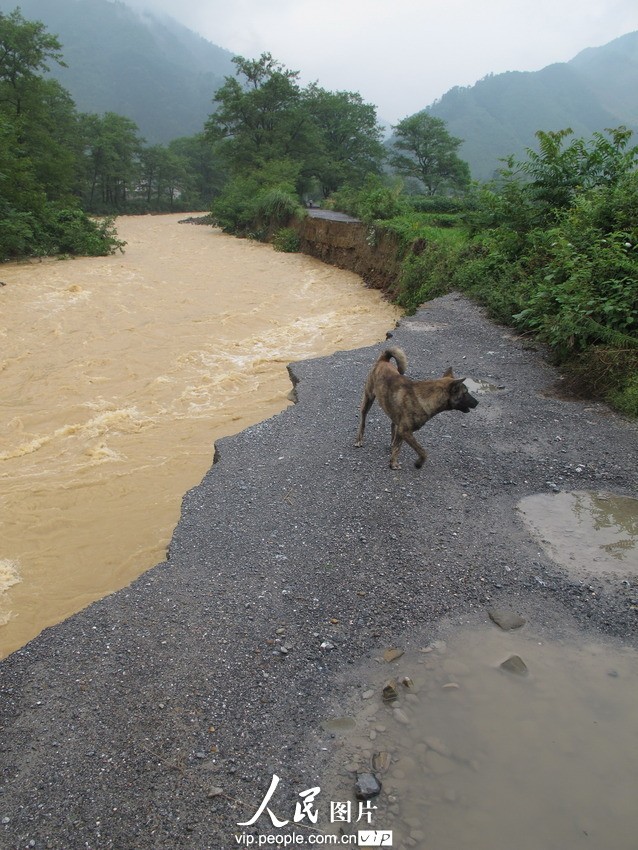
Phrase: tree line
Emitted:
{"points": [[57, 163]]}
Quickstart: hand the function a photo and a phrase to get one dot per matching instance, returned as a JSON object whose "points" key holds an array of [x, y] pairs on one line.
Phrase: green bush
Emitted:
{"points": [[48, 230], [286, 239], [245, 207], [625, 397], [427, 271], [16, 234], [275, 207]]}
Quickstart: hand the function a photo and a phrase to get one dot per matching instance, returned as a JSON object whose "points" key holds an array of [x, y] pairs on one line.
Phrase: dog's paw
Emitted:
{"points": [[358, 444]]}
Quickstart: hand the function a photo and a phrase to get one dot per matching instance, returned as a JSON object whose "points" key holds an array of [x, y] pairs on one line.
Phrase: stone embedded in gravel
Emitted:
{"points": [[392, 654], [515, 664], [381, 761], [506, 619], [390, 692], [367, 786]]}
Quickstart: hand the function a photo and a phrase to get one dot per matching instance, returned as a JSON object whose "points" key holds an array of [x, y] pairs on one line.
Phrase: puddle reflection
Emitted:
{"points": [[473, 756], [586, 532]]}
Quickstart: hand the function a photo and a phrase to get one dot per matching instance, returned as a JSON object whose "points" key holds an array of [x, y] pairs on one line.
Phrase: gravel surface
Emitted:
{"points": [[156, 717]]}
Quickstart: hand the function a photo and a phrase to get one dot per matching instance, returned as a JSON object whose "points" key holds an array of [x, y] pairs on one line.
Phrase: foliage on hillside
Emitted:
{"points": [[499, 115], [149, 69], [552, 249], [279, 140], [57, 164]]}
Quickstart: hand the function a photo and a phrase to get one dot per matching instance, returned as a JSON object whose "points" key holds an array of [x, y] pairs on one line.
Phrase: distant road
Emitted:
{"points": [[330, 215]]}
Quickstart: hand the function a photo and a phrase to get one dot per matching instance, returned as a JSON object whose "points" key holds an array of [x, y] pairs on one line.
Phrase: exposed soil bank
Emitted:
{"points": [[351, 245], [119, 724]]}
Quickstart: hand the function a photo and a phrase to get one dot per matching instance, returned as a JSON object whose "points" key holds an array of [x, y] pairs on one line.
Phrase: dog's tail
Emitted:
{"points": [[399, 356]]}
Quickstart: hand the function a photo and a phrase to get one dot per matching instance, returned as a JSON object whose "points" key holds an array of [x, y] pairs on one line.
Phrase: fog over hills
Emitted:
{"points": [[151, 69], [163, 76], [500, 114]]}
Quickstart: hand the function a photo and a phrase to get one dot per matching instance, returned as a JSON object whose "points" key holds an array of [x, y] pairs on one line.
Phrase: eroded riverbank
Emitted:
{"points": [[118, 375], [157, 717]]}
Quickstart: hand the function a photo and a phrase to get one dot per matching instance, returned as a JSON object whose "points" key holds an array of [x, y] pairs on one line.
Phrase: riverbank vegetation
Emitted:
{"points": [[549, 246], [64, 174]]}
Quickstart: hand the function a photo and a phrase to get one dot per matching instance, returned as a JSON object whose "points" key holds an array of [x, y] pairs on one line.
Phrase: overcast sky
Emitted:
{"points": [[401, 55]]}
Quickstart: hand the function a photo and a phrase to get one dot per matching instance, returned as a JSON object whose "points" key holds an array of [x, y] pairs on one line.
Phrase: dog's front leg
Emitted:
{"points": [[366, 403], [411, 441]]}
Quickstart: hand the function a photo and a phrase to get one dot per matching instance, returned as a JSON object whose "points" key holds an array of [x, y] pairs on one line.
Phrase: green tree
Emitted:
{"points": [[111, 148], [347, 139], [25, 49], [424, 149], [261, 119], [207, 175], [40, 151], [557, 172]]}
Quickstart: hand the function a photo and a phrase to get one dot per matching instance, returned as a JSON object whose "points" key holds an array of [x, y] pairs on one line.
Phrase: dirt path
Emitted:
{"points": [[156, 717]]}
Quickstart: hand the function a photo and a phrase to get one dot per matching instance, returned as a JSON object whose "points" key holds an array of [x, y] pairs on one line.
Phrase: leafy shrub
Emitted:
{"points": [[247, 208], [16, 234], [275, 207], [286, 240], [426, 273], [49, 229], [375, 201]]}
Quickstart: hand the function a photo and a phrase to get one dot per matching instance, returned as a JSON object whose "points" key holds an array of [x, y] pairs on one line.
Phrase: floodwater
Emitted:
{"points": [[588, 533], [473, 756], [119, 373]]}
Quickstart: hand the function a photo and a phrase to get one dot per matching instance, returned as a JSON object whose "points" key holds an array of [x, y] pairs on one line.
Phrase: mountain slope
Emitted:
{"points": [[500, 114], [150, 69]]}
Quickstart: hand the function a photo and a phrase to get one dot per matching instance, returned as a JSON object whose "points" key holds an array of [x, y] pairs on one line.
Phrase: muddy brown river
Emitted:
{"points": [[119, 373]]}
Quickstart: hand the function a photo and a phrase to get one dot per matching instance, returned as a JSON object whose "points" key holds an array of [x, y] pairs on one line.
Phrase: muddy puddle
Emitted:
{"points": [[586, 532], [471, 755], [118, 375]]}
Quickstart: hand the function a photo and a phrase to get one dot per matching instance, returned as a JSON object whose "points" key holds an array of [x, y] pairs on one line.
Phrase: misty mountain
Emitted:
{"points": [[148, 68], [500, 114]]}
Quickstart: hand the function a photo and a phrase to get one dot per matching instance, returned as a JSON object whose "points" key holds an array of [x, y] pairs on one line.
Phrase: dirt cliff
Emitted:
{"points": [[352, 245]]}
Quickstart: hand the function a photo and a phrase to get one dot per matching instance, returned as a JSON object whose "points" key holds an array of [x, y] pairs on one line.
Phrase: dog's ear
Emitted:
{"points": [[448, 373], [459, 380]]}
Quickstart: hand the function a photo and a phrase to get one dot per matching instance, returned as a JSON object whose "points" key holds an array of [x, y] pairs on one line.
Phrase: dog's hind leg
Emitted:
{"points": [[395, 448], [366, 403]]}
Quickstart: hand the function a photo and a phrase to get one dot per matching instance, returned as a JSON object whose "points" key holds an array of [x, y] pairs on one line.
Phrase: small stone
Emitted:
{"points": [[515, 664], [367, 694], [390, 692], [367, 786], [507, 620], [392, 654], [401, 717], [381, 762], [215, 792], [451, 686]]}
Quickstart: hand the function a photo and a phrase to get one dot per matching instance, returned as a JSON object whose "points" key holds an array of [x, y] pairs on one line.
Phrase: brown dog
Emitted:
{"points": [[409, 404]]}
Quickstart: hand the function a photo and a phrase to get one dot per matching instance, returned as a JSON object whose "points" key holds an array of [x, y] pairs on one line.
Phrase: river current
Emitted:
{"points": [[119, 373]]}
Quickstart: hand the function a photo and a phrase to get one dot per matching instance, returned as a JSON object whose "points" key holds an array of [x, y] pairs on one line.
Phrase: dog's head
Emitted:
{"points": [[459, 397]]}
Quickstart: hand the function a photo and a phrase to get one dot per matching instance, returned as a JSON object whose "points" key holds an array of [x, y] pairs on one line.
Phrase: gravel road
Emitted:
{"points": [[156, 717]]}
